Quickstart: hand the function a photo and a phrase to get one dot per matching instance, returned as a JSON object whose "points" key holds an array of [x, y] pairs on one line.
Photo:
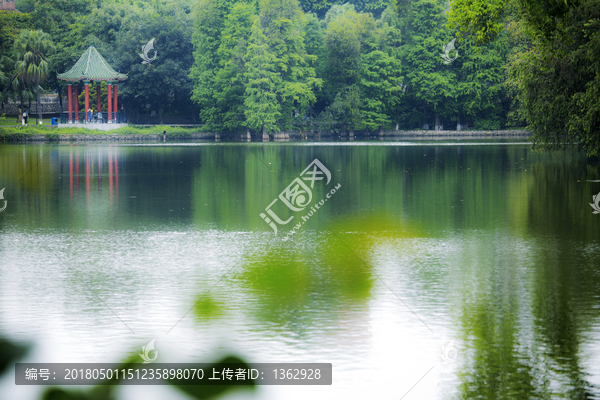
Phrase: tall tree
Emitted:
{"points": [[262, 83], [380, 85], [343, 46], [480, 84], [208, 24], [283, 24], [11, 24], [229, 79], [315, 46], [348, 35], [31, 49], [430, 82]]}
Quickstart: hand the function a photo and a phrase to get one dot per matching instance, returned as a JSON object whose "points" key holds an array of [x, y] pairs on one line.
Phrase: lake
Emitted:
{"points": [[436, 270]]}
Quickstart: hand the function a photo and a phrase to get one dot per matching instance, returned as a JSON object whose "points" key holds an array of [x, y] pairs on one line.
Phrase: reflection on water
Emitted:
{"points": [[104, 247]]}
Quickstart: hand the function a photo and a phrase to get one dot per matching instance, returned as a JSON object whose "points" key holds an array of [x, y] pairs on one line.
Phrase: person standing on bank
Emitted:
{"points": [[89, 118], [25, 116]]}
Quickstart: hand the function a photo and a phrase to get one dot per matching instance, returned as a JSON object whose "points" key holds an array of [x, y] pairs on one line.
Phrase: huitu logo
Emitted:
{"points": [[2, 198], [145, 50], [595, 205], [146, 352], [298, 195], [449, 353], [447, 49]]}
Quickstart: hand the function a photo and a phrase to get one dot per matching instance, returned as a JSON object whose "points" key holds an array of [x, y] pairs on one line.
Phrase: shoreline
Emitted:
{"points": [[53, 135]]}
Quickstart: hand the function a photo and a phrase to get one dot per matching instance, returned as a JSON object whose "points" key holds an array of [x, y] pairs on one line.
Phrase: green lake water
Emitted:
{"points": [[486, 248]]}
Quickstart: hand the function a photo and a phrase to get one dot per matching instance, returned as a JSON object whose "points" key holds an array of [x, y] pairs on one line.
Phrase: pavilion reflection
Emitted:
{"points": [[90, 159]]}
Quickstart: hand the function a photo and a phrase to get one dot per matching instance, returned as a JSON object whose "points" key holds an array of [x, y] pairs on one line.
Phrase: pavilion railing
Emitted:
{"points": [[94, 118]]}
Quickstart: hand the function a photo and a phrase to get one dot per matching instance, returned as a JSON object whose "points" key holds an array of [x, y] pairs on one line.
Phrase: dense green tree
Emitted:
{"points": [[343, 50], [208, 24], [347, 36], [480, 83], [380, 89], [346, 109], [262, 82], [11, 24], [559, 83], [557, 76], [229, 80], [391, 43], [315, 46], [374, 7], [430, 82], [283, 24], [391, 30], [318, 7]]}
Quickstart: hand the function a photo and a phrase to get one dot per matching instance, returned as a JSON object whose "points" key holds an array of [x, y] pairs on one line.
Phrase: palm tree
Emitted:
{"points": [[31, 49], [16, 88]]}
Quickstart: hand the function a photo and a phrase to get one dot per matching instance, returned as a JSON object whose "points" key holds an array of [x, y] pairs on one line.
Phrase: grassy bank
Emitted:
{"points": [[22, 132]]}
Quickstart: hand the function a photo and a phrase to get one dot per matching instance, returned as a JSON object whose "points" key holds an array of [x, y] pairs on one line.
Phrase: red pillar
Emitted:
{"points": [[109, 102], [115, 106], [98, 103], [87, 98], [70, 103], [76, 102]]}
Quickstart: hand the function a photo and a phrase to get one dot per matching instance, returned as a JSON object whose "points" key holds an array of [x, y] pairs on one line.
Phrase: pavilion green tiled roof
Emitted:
{"points": [[91, 66]]}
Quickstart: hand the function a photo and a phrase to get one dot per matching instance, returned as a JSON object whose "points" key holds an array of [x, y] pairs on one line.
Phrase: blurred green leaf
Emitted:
{"points": [[9, 353], [97, 393], [214, 391], [206, 307]]}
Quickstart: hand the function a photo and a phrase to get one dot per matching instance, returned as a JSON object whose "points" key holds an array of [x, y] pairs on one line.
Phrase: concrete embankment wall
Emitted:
{"points": [[431, 133], [407, 134]]}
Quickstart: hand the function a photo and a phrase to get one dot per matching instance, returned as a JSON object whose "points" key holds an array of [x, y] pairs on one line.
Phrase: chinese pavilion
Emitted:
{"points": [[92, 67]]}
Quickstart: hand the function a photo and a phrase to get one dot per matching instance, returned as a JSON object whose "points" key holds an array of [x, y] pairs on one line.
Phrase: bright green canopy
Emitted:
{"points": [[91, 66]]}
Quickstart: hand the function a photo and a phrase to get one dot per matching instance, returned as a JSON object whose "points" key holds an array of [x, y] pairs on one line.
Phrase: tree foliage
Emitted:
{"points": [[273, 65], [554, 75], [263, 110], [30, 50]]}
